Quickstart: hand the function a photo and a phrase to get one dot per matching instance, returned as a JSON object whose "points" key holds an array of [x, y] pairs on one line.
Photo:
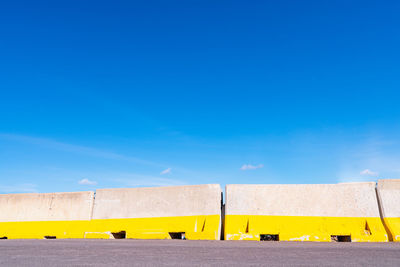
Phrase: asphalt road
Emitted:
{"points": [[185, 252]]}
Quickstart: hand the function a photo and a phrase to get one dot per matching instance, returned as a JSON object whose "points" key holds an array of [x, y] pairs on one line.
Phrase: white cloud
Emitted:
{"points": [[246, 167], [87, 182], [148, 181], [368, 172], [352, 179], [167, 171]]}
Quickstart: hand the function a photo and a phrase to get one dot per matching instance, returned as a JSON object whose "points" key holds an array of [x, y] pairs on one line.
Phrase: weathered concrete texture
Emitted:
{"points": [[389, 197], [171, 201], [191, 212], [304, 212], [46, 207], [329, 200]]}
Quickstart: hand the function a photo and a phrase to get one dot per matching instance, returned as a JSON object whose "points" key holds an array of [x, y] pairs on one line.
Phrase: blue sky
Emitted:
{"points": [[150, 93]]}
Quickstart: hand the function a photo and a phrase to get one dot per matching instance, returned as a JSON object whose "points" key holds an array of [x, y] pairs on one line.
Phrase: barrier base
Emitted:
{"points": [[393, 225], [307, 228], [183, 227]]}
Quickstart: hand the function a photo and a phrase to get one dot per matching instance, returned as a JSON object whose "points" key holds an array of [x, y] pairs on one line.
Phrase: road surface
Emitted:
{"points": [[126, 252]]}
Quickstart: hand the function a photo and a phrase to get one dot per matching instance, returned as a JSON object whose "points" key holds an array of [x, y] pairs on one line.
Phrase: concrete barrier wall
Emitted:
{"points": [[252, 212], [303, 212], [389, 198], [61, 215], [191, 212]]}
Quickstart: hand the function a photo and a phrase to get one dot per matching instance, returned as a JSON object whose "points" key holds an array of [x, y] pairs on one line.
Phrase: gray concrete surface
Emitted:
{"points": [[30, 207], [184, 252], [356, 200], [164, 201]]}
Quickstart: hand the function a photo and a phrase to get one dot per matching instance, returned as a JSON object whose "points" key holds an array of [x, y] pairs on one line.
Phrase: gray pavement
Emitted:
{"points": [[185, 252]]}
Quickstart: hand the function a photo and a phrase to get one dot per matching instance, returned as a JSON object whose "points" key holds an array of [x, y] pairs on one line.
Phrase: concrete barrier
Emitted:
{"points": [[338, 212], [50, 215], [176, 212], [389, 199]]}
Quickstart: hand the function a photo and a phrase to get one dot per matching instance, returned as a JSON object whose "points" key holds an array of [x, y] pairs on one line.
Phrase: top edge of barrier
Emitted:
{"points": [[160, 187], [51, 193], [389, 184], [350, 183], [389, 180]]}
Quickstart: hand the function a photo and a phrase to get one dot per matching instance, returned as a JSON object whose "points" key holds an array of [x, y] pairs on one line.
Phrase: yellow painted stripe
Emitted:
{"points": [[393, 225], [38, 230], [307, 228], [195, 228]]}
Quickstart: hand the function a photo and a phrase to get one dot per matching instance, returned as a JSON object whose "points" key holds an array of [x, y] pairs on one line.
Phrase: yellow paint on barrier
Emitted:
{"points": [[41, 229], [393, 225], [307, 228], [195, 228]]}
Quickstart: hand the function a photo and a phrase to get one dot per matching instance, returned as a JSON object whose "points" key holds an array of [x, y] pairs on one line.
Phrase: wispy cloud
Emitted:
{"points": [[154, 182], [368, 172], [87, 182], [166, 171], [354, 176], [18, 188], [246, 167], [378, 152], [77, 149]]}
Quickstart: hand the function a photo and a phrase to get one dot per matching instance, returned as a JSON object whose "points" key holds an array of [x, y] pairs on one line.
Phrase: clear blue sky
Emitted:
{"points": [[119, 94]]}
